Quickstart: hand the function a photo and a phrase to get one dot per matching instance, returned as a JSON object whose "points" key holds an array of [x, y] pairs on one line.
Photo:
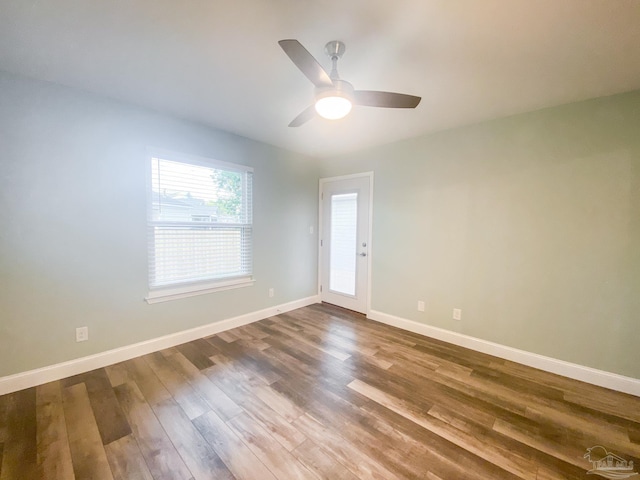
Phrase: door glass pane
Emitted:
{"points": [[342, 261]]}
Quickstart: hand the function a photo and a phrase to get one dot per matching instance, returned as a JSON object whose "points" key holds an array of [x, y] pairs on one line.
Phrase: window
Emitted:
{"points": [[199, 226]]}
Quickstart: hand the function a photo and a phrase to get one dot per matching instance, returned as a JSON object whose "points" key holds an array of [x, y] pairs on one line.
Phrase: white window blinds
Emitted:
{"points": [[342, 256], [199, 223]]}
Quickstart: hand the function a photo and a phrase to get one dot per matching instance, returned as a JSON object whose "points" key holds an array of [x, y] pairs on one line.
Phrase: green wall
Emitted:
{"points": [[72, 224], [530, 224]]}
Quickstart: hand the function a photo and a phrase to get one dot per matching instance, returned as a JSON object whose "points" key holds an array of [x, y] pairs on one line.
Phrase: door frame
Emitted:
{"points": [[321, 250]]}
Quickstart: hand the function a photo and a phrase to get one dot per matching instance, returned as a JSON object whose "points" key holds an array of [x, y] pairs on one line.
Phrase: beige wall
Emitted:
{"points": [[72, 224], [529, 224]]}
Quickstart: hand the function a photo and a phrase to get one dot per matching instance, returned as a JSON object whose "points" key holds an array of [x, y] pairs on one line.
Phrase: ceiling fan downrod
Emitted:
{"points": [[334, 50]]}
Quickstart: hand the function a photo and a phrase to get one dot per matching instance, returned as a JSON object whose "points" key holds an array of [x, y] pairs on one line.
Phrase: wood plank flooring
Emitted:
{"points": [[317, 393]]}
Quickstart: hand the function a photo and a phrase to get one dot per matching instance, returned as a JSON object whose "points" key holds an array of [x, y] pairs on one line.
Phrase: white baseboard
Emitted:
{"points": [[601, 378], [32, 378]]}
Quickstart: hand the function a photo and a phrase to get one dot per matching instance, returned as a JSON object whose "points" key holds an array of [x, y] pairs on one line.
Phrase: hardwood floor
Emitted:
{"points": [[318, 393]]}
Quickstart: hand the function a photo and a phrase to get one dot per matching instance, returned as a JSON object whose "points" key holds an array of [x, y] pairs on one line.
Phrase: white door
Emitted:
{"points": [[345, 240]]}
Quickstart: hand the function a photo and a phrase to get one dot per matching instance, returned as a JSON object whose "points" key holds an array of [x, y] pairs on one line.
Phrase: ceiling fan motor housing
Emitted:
{"points": [[340, 88]]}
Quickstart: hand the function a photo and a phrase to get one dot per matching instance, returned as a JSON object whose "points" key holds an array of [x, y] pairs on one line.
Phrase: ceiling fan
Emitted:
{"points": [[334, 97]]}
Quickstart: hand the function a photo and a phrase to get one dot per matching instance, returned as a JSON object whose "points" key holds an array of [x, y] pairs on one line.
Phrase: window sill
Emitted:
{"points": [[175, 293]]}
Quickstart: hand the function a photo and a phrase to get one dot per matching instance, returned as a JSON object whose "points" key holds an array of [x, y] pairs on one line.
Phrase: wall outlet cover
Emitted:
{"points": [[82, 334]]}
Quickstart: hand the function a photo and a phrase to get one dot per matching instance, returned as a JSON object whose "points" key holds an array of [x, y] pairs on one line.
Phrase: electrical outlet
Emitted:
{"points": [[310, 229], [271, 292], [82, 334], [457, 314], [420, 306]]}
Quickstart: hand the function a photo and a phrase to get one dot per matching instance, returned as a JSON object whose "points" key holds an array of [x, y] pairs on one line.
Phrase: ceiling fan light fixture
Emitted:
{"points": [[335, 102], [333, 107]]}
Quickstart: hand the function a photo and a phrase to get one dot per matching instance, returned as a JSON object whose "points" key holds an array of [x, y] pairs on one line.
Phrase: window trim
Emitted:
{"points": [[164, 294], [189, 289]]}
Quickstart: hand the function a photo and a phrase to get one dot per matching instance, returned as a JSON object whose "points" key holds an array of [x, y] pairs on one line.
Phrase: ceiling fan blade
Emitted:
{"points": [[306, 115], [306, 63], [370, 98]]}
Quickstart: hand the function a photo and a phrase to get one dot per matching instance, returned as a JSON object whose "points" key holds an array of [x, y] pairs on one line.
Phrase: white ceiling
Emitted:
{"points": [[219, 63]]}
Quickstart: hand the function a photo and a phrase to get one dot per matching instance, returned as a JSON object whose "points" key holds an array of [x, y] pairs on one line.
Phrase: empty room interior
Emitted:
{"points": [[319, 240]]}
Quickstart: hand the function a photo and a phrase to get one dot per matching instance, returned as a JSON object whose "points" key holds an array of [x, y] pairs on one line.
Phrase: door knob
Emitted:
{"points": [[363, 254]]}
